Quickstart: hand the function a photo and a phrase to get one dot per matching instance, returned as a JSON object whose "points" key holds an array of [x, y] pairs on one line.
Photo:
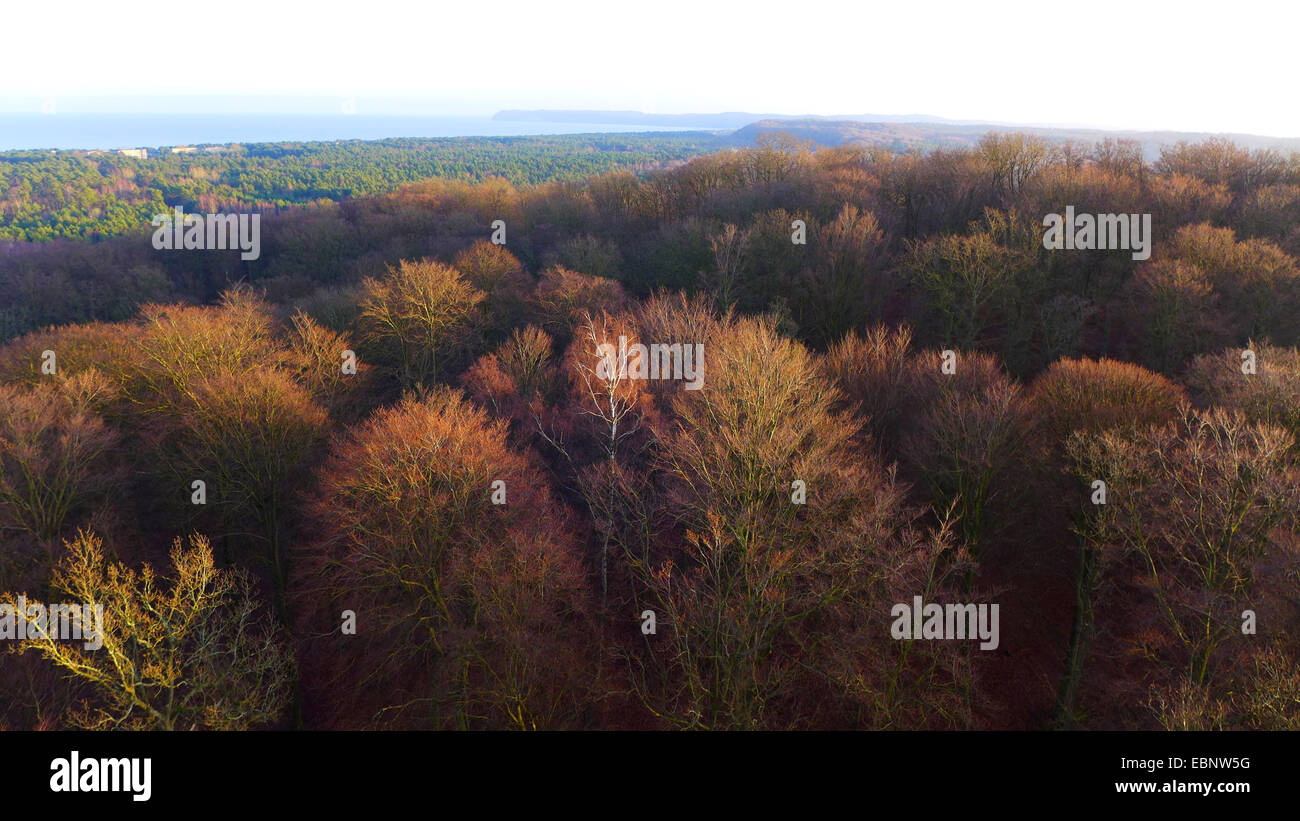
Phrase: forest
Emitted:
{"points": [[382, 477], [47, 195]]}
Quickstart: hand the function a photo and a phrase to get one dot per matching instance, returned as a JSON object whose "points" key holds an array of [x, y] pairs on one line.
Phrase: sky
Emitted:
{"points": [[1185, 65]]}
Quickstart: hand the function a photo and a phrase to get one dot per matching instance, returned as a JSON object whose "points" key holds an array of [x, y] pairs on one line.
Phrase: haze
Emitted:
{"points": [[1110, 64]]}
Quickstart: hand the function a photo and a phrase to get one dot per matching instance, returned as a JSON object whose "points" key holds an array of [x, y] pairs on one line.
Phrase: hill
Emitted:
{"points": [[902, 136]]}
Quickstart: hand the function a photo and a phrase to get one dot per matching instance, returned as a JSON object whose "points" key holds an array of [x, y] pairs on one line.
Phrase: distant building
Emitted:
{"points": [[183, 149], [138, 153]]}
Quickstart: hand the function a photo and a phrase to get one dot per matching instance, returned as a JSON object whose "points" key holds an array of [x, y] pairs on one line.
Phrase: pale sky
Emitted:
{"points": [[1172, 64]]}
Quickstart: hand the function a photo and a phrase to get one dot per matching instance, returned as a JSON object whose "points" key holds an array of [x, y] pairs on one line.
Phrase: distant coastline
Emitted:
{"points": [[902, 132], [110, 132]]}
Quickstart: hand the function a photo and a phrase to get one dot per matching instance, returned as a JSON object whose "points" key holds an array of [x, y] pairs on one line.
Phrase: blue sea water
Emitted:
{"points": [[110, 131]]}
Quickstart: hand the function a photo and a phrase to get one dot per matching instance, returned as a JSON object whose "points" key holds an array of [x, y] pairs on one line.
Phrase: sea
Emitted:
{"points": [[112, 131]]}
